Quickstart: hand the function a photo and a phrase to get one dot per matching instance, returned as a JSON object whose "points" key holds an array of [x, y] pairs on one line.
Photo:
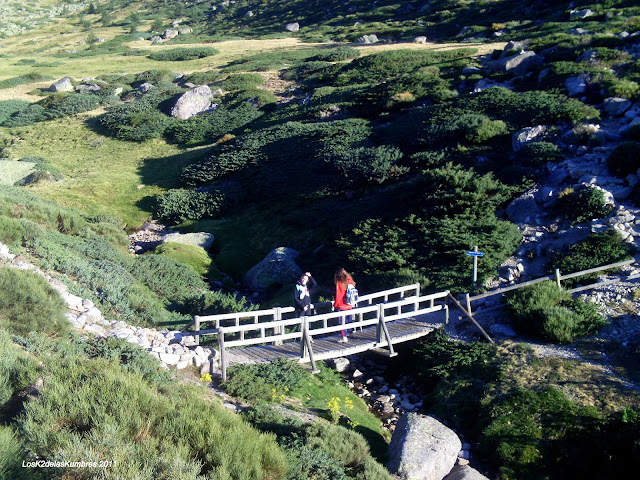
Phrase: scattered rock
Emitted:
{"points": [[292, 27], [368, 39], [63, 85], [193, 102], [200, 239]]}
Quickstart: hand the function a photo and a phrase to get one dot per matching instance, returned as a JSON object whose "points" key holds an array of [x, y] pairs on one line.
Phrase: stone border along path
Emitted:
{"points": [[170, 347]]}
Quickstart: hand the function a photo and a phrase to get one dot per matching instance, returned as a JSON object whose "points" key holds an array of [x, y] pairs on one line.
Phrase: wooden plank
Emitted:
{"points": [[597, 269]]}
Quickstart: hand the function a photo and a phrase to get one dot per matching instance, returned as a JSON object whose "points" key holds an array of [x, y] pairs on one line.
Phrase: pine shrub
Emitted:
{"points": [[624, 158], [585, 205], [179, 205], [544, 310], [183, 54], [536, 154], [29, 304]]}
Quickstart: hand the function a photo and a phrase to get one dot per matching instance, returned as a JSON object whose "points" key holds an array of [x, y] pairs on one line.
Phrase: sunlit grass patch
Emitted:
{"points": [[12, 171]]}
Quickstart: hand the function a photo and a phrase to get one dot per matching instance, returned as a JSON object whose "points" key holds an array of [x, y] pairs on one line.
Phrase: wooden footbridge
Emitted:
{"points": [[380, 321]]}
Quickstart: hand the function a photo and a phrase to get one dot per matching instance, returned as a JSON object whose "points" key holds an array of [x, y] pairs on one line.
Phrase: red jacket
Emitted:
{"points": [[341, 292]]}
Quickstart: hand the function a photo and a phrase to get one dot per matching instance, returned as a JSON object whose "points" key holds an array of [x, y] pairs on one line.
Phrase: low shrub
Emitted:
{"points": [[194, 256], [256, 382], [25, 293], [585, 205], [208, 127], [11, 456], [88, 406], [338, 54], [179, 205], [43, 171], [10, 107], [596, 250], [536, 154], [527, 431], [203, 78], [242, 81], [17, 370], [366, 164], [140, 119], [182, 54], [346, 447], [23, 79], [544, 310], [624, 158]]}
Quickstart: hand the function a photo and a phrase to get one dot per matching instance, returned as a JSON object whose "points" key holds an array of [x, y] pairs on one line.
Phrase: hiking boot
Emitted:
{"points": [[343, 340]]}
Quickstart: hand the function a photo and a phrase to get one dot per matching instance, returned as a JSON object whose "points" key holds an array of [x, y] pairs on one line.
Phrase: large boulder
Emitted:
{"points": [[523, 209], [519, 63], [422, 448], [580, 14], [277, 267], [420, 39], [616, 106], [465, 472], [170, 33], [62, 85], [292, 27], [193, 102], [576, 86], [200, 239], [368, 39], [526, 135]]}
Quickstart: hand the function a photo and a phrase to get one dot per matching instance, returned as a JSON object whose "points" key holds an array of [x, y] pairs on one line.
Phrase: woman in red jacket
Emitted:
{"points": [[342, 279]]}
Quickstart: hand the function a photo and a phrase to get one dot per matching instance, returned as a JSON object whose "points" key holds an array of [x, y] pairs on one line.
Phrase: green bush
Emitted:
{"points": [[585, 205], [596, 250], [11, 456], [528, 430], [182, 54], [338, 54], [140, 119], [25, 293], [255, 382], [624, 158], [366, 164], [93, 409], [208, 127], [536, 154], [346, 447], [32, 114], [10, 107], [242, 81], [17, 370], [623, 88], [203, 78], [43, 171], [179, 205], [544, 310], [23, 79]]}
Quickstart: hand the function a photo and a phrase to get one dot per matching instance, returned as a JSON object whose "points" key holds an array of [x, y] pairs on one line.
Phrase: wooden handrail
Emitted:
{"points": [[551, 277]]}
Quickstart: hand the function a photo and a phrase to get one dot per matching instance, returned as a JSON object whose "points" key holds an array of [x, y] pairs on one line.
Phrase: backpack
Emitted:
{"points": [[351, 295]]}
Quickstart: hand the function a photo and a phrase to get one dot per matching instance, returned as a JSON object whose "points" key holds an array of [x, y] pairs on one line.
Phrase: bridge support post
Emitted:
{"points": [[277, 314], [223, 360], [379, 324], [303, 343], [382, 323], [196, 321]]}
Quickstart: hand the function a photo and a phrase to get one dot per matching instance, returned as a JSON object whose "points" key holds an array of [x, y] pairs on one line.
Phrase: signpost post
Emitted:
{"points": [[475, 254]]}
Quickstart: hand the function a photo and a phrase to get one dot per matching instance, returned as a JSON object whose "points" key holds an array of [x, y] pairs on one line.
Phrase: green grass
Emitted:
{"points": [[102, 175], [315, 393], [195, 257], [12, 171]]}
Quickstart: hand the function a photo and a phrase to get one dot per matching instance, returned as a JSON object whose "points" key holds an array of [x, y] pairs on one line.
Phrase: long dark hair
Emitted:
{"points": [[342, 276]]}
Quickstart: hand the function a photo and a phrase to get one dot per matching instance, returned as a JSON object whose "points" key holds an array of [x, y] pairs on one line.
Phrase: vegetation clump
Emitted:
{"points": [[544, 310], [183, 54]]}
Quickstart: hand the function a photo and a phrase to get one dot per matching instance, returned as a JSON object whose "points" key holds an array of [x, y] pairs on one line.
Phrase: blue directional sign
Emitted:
{"points": [[471, 253]]}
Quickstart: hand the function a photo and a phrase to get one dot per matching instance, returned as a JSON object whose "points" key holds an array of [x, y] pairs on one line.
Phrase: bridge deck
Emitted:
{"points": [[328, 347]]}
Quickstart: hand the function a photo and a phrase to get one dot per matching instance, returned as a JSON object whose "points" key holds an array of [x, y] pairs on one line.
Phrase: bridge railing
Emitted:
{"points": [[214, 322], [306, 328]]}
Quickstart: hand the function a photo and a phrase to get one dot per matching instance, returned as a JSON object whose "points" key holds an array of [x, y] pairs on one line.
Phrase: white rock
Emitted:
{"points": [[169, 358]]}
